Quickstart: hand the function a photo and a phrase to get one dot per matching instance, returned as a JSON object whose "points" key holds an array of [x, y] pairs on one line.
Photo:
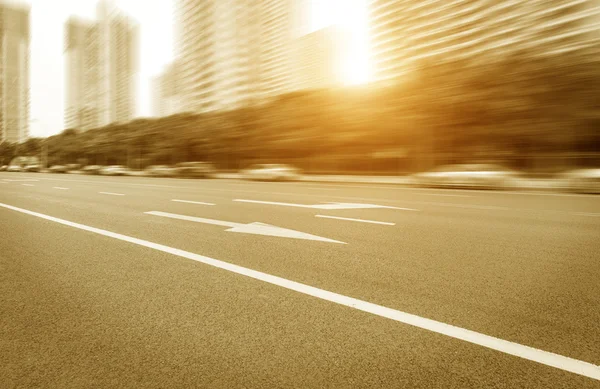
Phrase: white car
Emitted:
{"points": [[14, 168], [468, 176], [581, 181], [114, 170], [271, 172]]}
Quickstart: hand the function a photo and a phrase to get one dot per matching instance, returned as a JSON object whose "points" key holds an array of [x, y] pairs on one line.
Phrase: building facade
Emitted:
{"points": [[14, 73], [406, 33], [165, 92], [320, 56], [101, 67], [234, 53]]}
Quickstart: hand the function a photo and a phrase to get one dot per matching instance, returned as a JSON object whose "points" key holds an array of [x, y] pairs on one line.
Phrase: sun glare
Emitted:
{"points": [[351, 17]]}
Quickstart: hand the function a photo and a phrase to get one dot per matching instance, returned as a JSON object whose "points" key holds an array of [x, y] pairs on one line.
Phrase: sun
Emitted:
{"points": [[351, 16]]}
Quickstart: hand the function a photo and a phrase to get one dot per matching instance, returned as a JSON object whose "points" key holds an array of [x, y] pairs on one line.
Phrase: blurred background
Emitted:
{"points": [[355, 87]]}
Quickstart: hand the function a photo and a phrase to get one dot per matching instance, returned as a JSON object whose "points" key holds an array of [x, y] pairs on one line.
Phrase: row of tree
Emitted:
{"points": [[522, 110]]}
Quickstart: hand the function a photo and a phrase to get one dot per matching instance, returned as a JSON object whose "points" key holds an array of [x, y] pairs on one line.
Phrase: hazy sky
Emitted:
{"points": [[155, 18]]}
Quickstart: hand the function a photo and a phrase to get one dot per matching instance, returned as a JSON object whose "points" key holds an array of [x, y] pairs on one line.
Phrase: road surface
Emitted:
{"points": [[171, 283]]}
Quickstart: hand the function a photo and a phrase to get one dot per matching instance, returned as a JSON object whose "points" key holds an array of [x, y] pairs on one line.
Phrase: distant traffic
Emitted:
{"points": [[465, 176]]}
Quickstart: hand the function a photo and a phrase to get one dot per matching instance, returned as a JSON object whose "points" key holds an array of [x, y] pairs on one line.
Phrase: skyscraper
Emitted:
{"points": [[14, 73], [404, 33], [100, 68], [319, 58], [235, 52], [165, 92]]}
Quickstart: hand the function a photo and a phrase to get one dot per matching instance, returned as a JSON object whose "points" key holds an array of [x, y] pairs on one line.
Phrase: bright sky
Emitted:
{"points": [[155, 20]]}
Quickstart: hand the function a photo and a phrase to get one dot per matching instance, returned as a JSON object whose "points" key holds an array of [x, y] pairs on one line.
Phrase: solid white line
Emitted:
{"points": [[60, 187], [544, 357], [112, 194], [356, 220], [27, 184], [191, 202]]}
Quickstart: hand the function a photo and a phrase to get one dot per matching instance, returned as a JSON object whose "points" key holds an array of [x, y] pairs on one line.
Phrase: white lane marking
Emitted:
{"points": [[250, 228], [60, 187], [586, 214], [356, 220], [192, 202], [27, 184], [561, 362], [324, 206], [112, 194], [24, 180]]}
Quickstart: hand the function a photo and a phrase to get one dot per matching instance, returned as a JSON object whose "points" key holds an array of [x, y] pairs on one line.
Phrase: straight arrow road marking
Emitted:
{"points": [[191, 202], [356, 220], [330, 206], [250, 228], [547, 358], [60, 187], [27, 184], [112, 194]]}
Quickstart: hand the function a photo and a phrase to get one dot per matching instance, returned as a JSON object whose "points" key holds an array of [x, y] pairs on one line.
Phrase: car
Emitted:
{"points": [[194, 170], [271, 172], [3, 168], [160, 171], [32, 168], [484, 176], [58, 169], [581, 181], [114, 170], [92, 169], [73, 166], [14, 168]]}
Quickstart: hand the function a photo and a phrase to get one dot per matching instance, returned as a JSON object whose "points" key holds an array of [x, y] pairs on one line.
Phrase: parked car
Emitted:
{"points": [[32, 168], [160, 171], [487, 176], [271, 172], [581, 180], [92, 169], [14, 168], [73, 166], [3, 168], [58, 169], [194, 170], [114, 170]]}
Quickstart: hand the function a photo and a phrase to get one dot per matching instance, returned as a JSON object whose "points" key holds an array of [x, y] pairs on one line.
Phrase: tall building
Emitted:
{"points": [[319, 58], [165, 92], [214, 49], [405, 32], [14, 72], [235, 52], [82, 74], [101, 64]]}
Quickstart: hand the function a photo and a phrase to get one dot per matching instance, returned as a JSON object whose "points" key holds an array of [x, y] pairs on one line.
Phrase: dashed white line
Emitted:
{"points": [[536, 355], [60, 187], [112, 194], [586, 214], [356, 220], [27, 184], [191, 202]]}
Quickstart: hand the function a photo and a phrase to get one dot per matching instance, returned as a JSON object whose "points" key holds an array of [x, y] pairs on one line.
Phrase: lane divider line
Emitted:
{"points": [[192, 202], [27, 184], [60, 187], [112, 194], [547, 358], [356, 220]]}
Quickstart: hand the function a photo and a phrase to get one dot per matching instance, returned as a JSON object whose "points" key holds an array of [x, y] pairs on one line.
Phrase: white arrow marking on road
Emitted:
{"points": [[27, 184], [112, 194], [60, 187], [356, 220], [250, 228], [325, 206]]}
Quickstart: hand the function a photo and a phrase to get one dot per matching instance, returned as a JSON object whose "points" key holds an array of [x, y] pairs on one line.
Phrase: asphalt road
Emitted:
{"points": [[109, 283]]}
